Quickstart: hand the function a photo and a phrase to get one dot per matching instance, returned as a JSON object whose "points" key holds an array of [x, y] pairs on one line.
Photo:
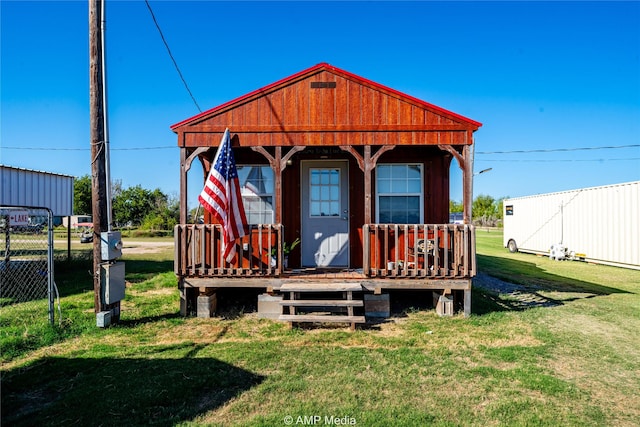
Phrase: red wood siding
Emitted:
{"points": [[354, 112]]}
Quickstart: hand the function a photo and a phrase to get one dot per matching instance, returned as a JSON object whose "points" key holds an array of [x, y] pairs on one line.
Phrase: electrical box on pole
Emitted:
{"points": [[111, 244], [113, 284]]}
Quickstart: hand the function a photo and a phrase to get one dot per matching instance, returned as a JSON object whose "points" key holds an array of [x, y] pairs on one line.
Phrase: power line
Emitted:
{"points": [[551, 150], [558, 160], [175, 64], [87, 149]]}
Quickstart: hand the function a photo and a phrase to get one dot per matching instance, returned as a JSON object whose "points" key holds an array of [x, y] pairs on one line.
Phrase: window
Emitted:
{"points": [[399, 194], [324, 192], [257, 193]]}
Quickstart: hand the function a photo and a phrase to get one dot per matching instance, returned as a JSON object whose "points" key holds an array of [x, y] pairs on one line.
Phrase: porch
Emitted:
{"points": [[436, 257]]}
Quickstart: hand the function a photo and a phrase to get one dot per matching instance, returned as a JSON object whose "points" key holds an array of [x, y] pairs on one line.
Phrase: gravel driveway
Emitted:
{"points": [[131, 246]]}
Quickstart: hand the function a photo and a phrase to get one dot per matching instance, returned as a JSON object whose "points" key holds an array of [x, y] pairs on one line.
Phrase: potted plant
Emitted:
{"points": [[286, 250]]}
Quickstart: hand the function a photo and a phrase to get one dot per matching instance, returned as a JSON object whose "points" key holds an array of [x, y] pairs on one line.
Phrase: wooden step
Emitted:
{"points": [[321, 287], [322, 303], [320, 318]]}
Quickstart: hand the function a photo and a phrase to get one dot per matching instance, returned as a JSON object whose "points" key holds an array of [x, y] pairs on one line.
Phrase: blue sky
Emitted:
{"points": [[538, 75]]}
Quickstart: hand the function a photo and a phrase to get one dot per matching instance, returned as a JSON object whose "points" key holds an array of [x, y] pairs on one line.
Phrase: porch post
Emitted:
{"points": [[187, 295], [277, 184], [467, 179], [368, 167], [183, 186], [467, 301], [184, 296]]}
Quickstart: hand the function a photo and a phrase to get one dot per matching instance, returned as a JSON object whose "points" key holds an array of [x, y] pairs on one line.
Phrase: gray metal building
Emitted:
{"points": [[25, 187]]}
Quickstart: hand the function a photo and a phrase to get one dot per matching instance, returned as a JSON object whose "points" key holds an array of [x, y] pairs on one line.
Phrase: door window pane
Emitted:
{"points": [[324, 192]]}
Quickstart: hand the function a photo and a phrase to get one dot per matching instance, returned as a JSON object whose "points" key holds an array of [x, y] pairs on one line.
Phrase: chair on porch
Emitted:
{"points": [[417, 252]]}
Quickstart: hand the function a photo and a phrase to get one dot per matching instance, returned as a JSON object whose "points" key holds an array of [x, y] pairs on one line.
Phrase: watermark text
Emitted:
{"points": [[320, 420]]}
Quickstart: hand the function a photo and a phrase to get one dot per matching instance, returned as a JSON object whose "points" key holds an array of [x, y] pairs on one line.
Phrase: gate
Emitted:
{"points": [[26, 258]]}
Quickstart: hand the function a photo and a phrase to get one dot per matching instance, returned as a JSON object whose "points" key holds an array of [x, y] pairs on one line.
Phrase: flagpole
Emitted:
{"points": [[195, 220]]}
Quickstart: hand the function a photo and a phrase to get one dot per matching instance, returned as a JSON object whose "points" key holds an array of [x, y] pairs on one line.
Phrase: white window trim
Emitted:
{"points": [[272, 195], [421, 195]]}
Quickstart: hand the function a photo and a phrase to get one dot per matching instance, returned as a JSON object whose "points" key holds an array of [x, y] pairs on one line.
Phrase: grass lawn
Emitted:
{"points": [[575, 362]]}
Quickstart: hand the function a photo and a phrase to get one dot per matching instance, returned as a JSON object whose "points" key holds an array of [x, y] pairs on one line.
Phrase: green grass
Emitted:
{"points": [[577, 363]]}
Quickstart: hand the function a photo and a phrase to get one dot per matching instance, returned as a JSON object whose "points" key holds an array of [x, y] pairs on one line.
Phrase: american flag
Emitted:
{"points": [[221, 197]]}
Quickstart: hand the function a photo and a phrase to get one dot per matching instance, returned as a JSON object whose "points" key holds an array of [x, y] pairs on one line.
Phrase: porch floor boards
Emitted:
{"points": [[324, 273]]}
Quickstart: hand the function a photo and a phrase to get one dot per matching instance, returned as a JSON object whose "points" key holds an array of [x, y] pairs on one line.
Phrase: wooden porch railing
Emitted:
{"points": [[198, 252], [441, 251], [437, 251]]}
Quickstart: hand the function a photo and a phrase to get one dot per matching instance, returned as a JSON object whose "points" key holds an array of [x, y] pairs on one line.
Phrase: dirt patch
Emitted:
{"points": [[144, 247], [514, 296]]}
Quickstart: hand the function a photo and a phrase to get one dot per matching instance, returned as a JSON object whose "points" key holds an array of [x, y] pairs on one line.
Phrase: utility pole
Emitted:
{"points": [[98, 174], [108, 274]]}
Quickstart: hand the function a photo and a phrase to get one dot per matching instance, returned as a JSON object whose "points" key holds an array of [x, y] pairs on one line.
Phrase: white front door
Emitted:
{"points": [[325, 213]]}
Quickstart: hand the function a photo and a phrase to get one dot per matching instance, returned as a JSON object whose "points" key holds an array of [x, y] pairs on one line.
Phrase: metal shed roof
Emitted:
{"points": [[25, 187]]}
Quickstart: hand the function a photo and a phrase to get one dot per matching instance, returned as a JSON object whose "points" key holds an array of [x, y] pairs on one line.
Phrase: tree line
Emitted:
{"points": [[131, 207], [154, 210], [486, 211]]}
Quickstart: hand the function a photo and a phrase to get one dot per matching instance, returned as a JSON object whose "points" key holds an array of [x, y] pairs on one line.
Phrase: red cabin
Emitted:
{"points": [[357, 171]]}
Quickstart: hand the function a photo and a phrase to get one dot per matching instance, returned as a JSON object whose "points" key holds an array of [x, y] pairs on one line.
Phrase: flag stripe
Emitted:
{"points": [[217, 202]]}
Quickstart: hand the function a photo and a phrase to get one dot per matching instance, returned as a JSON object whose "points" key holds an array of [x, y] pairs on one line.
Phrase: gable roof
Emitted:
{"points": [[319, 68]]}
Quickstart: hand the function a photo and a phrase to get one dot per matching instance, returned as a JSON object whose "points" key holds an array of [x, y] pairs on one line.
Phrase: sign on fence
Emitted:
{"points": [[18, 217]]}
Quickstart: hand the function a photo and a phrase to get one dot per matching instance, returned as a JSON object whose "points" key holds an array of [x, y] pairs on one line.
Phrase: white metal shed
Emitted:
{"points": [[25, 187]]}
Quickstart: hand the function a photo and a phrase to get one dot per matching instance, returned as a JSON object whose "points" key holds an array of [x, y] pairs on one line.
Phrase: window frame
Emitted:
{"points": [[260, 195], [420, 195]]}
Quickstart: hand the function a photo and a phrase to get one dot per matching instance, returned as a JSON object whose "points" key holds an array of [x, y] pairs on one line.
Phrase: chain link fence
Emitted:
{"points": [[26, 258]]}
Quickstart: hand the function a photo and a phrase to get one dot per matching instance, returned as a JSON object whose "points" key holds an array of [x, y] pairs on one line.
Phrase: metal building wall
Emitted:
{"points": [[24, 187], [603, 223]]}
